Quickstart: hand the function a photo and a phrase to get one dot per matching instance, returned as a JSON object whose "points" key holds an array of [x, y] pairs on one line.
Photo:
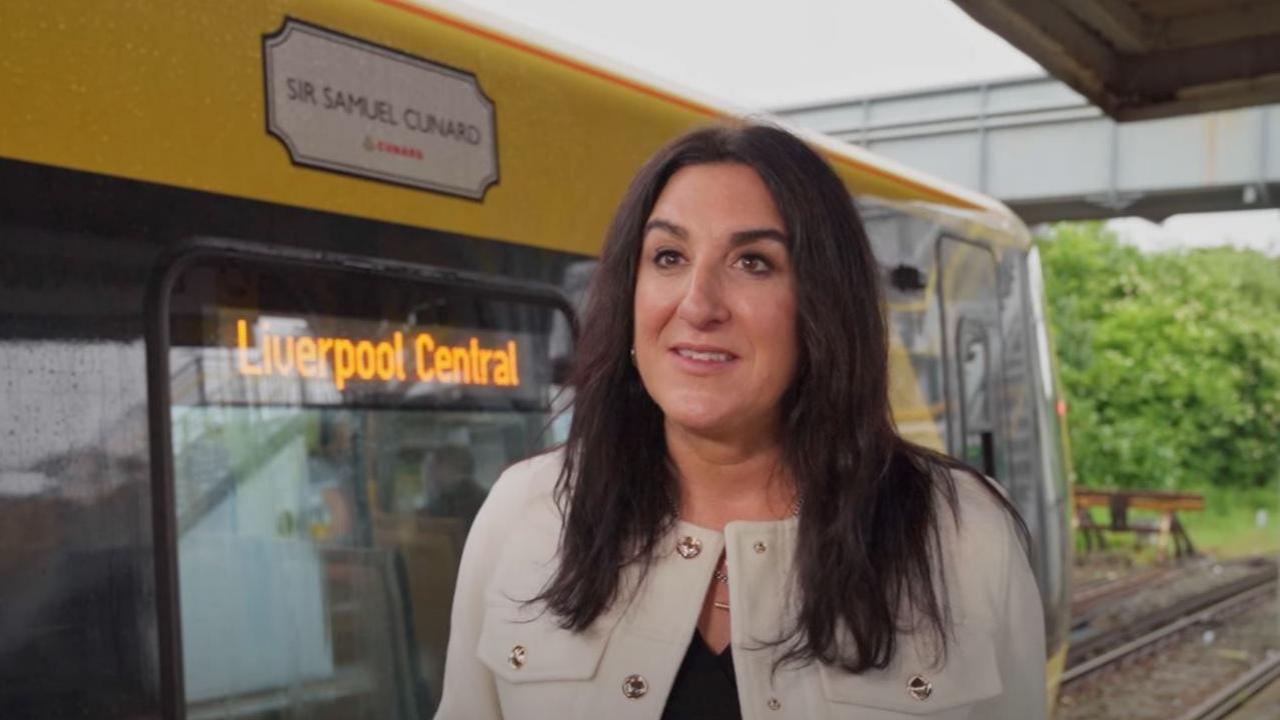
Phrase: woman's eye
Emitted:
{"points": [[666, 258], [755, 264]]}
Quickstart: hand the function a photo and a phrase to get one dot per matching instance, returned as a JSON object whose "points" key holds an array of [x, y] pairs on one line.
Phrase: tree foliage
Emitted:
{"points": [[1170, 361]]}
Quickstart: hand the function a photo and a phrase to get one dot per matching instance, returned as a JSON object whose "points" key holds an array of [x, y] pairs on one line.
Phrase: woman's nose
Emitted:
{"points": [[703, 301]]}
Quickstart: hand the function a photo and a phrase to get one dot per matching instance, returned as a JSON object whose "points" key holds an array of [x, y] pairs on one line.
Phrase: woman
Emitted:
{"points": [[733, 527]]}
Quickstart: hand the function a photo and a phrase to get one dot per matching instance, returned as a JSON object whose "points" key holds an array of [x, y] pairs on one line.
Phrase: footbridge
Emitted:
{"points": [[1050, 154]]}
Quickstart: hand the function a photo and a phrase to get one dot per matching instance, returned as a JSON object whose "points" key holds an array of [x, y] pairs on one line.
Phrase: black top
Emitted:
{"points": [[705, 687]]}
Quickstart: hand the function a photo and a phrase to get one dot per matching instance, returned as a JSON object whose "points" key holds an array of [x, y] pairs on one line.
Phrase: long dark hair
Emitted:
{"points": [[869, 524]]}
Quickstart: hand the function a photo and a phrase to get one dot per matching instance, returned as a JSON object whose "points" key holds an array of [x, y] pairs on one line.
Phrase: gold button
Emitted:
{"points": [[516, 658], [635, 686], [774, 704], [760, 547], [689, 547], [919, 688]]}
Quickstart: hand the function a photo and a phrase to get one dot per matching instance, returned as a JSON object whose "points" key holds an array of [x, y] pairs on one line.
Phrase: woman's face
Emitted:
{"points": [[715, 309]]}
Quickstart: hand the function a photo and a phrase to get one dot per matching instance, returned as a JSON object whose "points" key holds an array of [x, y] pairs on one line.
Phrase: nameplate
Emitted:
{"points": [[346, 105]]}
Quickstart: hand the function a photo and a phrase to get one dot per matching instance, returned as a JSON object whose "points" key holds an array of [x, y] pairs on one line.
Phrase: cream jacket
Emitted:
{"points": [[506, 660]]}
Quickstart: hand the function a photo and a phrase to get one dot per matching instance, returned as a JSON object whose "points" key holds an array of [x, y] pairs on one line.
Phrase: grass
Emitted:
{"points": [[1230, 525]]}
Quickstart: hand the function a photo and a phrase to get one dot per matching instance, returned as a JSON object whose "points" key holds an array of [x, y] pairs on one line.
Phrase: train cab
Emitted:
{"points": [[287, 284]]}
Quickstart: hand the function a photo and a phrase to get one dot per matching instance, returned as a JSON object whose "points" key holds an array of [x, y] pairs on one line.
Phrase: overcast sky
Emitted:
{"points": [[765, 54]]}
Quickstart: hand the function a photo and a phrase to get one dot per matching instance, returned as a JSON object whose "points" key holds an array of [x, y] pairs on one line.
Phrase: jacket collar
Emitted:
{"points": [[667, 605]]}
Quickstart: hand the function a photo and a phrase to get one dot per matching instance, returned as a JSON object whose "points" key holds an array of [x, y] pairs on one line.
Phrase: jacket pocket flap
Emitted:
{"points": [[910, 685], [521, 647]]}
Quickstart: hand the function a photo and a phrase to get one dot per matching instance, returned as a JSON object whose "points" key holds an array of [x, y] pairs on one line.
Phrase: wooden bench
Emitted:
{"points": [[1120, 502]]}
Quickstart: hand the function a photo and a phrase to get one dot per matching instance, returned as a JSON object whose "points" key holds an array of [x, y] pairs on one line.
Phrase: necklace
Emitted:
{"points": [[721, 576], [721, 573]]}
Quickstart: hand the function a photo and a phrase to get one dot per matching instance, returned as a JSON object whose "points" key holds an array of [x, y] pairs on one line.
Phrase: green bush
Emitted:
{"points": [[1170, 361]]}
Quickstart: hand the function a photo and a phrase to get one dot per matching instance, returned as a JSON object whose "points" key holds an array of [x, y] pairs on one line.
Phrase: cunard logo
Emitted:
{"points": [[391, 148]]}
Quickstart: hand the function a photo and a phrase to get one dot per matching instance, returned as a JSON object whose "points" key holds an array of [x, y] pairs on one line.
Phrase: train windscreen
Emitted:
{"points": [[333, 434]]}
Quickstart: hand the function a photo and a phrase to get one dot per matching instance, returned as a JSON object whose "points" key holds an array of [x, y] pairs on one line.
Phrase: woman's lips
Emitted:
{"points": [[702, 360]]}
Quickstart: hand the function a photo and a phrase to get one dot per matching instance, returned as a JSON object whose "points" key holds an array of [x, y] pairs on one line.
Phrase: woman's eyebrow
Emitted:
{"points": [[744, 237], [741, 237], [667, 226]]}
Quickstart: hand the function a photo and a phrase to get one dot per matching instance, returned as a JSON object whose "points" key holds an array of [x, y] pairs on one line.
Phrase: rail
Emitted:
{"points": [[1175, 619]]}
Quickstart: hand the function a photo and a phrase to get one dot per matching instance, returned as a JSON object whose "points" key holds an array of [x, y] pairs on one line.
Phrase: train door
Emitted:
{"points": [[991, 421], [327, 429], [970, 312]]}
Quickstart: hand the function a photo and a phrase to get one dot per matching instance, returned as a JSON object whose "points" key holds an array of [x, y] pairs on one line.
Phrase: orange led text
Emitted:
{"points": [[419, 357]]}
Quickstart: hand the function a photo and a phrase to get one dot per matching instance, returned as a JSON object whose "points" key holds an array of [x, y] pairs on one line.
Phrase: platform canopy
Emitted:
{"points": [[1141, 59]]}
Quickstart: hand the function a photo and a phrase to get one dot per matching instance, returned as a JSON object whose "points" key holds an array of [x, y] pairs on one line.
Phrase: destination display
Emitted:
{"points": [[258, 358], [343, 359]]}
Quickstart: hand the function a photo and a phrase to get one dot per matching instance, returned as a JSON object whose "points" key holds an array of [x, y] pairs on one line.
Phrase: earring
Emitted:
{"points": [[633, 354]]}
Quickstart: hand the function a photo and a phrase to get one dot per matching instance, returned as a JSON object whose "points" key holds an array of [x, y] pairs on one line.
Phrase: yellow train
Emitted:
{"points": [[285, 285]]}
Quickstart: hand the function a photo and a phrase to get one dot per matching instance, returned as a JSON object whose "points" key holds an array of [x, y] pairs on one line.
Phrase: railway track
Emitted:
{"points": [[1088, 598], [1180, 617], [1089, 643], [1200, 658], [1223, 703]]}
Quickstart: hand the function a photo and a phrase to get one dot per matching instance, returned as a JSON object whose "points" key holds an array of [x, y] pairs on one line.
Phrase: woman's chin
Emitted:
{"points": [[707, 422]]}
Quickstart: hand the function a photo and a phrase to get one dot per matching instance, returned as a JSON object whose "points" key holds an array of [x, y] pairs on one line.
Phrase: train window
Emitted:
{"points": [[333, 431], [970, 311], [977, 426], [904, 248]]}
